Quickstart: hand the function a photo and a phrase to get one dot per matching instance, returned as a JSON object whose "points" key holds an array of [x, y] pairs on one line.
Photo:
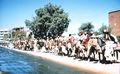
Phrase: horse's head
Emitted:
{"points": [[100, 41]]}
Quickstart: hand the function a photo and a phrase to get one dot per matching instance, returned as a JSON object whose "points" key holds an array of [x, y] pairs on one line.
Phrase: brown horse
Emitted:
{"points": [[85, 44]]}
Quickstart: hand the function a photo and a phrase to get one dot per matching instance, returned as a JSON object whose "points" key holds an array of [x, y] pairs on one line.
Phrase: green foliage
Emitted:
{"points": [[102, 28], [118, 37], [50, 20], [97, 33], [19, 35], [29, 36], [86, 27]]}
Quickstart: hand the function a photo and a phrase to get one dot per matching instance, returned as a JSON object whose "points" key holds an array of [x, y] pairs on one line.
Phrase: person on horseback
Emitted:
{"points": [[108, 36], [92, 46], [80, 45], [110, 42]]}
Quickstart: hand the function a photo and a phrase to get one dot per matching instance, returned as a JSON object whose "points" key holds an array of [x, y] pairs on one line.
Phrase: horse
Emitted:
{"points": [[70, 45], [85, 45], [102, 44], [95, 44], [79, 49], [109, 45]]}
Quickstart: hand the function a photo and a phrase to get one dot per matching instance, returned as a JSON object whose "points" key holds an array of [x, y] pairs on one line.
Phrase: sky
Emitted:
{"points": [[13, 13]]}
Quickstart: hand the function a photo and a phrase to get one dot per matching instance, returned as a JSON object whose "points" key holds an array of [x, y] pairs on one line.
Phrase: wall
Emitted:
{"points": [[114, 22]]}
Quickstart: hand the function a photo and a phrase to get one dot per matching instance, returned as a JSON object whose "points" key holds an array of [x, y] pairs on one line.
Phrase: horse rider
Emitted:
{"points": [[110, 41]]}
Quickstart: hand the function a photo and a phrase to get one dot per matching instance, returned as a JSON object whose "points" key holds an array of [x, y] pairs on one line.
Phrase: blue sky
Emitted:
{"points": [[14, 12]]}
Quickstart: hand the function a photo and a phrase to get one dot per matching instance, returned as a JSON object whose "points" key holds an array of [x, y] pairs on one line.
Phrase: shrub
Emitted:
{"points": [[118, 37]]}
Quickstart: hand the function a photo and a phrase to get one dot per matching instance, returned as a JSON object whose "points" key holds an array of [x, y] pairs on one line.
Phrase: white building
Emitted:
{"points": [[3, 33]]}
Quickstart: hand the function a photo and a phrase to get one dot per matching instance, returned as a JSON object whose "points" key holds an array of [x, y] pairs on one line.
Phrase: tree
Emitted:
{"points": [[102, 28], [29, 36], [50, 20], [19, 35], [86, 27], [118, 37]]}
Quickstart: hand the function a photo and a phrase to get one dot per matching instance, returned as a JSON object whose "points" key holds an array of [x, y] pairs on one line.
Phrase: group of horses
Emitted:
{"points": [[27, 45], [81, 47], [94, 48]]}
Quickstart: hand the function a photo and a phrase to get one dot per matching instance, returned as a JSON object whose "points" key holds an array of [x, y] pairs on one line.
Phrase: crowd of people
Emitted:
{"points": [[83, 46]]}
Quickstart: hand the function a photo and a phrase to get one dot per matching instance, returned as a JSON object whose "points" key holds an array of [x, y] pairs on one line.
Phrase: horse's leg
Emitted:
{"points": [[99, 56], [84, 52], [77, 52], [94, 54], [67, 51], [70, 51], [117, 55], [75, 55], [103, 54], [89, 52]]}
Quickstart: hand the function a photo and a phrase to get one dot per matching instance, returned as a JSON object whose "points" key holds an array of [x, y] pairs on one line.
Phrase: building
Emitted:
{"points": [[18, 29], [114, 22], [20, 32], [3, 33]]}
